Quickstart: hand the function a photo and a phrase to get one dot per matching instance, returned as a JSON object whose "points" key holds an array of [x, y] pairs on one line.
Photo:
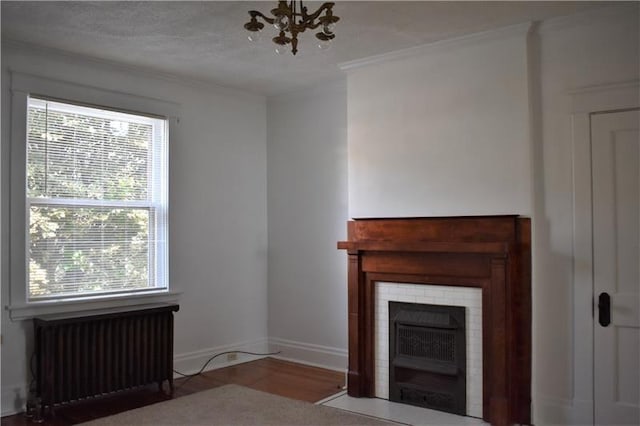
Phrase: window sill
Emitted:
{"points": [[18, 312]]}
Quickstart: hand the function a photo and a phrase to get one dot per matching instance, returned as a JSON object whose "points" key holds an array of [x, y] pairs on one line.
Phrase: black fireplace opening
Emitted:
{"points": [[427, 356]]}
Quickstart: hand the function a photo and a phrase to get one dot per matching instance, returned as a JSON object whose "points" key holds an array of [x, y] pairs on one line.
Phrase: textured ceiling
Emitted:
{"points": [[206, 40]]}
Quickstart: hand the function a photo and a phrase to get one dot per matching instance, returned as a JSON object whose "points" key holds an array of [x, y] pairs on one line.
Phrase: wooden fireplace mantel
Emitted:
{"points": [[489, 252]]}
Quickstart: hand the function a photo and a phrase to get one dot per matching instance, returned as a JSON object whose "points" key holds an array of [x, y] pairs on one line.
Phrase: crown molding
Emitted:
{"points": [[143, 72], [466, 40]]}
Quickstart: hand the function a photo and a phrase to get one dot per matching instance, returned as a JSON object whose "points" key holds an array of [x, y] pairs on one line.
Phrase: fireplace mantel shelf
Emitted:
{"points": [[425, 246], [488, 252]]}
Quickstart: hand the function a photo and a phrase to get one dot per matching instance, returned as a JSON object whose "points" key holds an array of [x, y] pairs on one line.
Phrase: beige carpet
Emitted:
{"points": [[235, 405]]}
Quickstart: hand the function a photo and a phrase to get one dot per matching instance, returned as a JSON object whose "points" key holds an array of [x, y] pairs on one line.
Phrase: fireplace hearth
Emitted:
{"points": [[490, 253], [427, 356]]}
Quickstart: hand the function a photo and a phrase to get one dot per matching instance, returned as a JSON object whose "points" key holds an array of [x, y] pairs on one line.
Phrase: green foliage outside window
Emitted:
{"points": [[82, 238]]}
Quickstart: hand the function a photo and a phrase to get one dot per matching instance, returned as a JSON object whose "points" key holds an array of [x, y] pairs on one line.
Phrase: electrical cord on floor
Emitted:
{"points": [[190, 376]]}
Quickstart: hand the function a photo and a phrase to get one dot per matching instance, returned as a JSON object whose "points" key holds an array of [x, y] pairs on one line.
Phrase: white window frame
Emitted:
{"points": [[23, 86]]}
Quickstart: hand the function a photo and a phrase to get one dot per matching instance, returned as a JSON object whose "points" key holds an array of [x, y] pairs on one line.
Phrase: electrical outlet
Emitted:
{"points": [[232, 356]]}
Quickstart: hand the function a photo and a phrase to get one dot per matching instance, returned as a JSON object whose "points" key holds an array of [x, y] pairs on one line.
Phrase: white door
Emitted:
{"points": [[615, 144]]}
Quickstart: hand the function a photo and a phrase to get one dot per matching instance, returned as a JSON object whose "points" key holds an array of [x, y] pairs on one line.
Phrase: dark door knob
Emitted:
{"points": [[604, 309]]}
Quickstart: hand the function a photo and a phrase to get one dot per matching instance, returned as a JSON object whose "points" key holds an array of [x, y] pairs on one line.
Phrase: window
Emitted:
{"points": [[96, 201]]}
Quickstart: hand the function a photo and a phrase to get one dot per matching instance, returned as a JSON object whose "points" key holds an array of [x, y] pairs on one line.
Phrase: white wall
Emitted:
{"points": [[442, 130], [434, 134], [218, 227], [591, 49], [483, 127], [307, 199]]}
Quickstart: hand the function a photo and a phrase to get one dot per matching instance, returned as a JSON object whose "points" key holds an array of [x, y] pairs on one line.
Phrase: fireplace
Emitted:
{"points": [[488, 254], [427, 356]]}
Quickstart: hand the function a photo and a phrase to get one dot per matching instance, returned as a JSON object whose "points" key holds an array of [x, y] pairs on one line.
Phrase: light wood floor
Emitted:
{"points": [[283, 378]]}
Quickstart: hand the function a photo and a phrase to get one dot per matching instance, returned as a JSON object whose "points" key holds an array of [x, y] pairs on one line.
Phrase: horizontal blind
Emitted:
{"points": [[96, 189]]}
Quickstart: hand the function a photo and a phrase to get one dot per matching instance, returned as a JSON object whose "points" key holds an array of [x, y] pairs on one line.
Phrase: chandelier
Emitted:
{"points": [[292, 18]]}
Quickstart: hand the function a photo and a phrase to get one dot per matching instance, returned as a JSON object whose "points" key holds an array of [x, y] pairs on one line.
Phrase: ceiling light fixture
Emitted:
{"points": [[291, 18]]}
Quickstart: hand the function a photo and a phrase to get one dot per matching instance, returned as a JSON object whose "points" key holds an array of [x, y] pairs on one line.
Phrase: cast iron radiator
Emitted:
{"points": [[78, 357]]}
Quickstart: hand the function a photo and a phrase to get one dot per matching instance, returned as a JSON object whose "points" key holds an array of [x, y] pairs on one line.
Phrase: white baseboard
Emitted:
{"points": [[192, 362], [13, 399], [310, 354], [556, 411]]}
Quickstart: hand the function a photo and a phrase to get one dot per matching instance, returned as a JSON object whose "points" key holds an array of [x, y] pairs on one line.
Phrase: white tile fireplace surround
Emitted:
{"points": [[469, 297]]}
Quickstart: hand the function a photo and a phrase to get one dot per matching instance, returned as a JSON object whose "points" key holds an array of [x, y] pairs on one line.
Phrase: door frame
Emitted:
{"points": [[584, 103]]}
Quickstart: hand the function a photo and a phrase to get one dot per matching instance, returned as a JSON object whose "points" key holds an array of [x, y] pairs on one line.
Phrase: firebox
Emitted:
{"points": [[427, 356]]}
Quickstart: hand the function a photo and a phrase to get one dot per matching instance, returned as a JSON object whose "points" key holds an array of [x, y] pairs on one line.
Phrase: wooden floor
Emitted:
{"points": [[283, 378]]}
